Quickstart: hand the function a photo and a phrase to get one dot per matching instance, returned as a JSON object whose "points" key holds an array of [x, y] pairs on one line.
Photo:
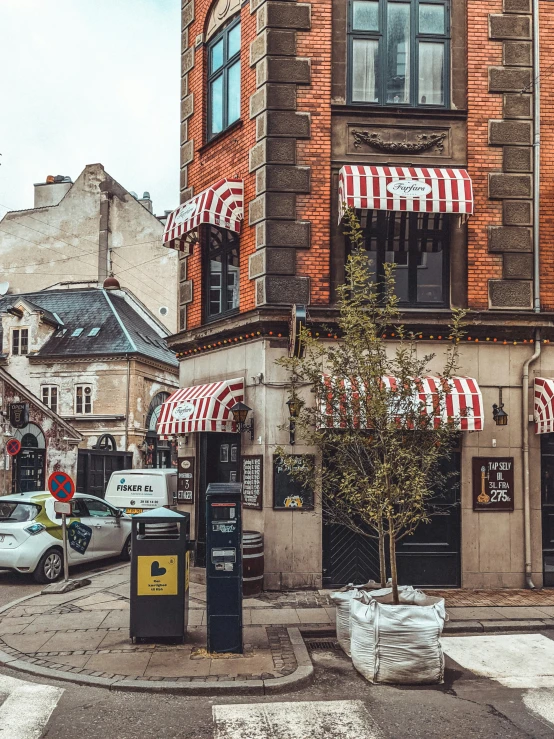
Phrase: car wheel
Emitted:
{"points": [[126, 551], [50, 566]]}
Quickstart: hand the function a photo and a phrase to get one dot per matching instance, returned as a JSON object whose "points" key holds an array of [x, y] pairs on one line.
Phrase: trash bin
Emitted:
{"points": [[252, 562], [160, 574]]}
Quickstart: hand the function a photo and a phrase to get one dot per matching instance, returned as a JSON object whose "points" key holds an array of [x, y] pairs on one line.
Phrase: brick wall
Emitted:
{"points": [[547, 155], [482, 158]]}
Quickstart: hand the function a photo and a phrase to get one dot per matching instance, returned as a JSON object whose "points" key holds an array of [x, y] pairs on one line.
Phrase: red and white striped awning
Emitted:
{"points": [[456, 401], [544, 406], [221, 204], [200, 408], [415, 189]]}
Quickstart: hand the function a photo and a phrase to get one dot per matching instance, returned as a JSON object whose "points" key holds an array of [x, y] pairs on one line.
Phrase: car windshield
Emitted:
{"points": [[11, 510]]}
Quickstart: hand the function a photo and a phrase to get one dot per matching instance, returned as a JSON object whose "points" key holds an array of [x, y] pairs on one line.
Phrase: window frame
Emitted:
{"points": [[19, 331], [48, 401], [415, 38], [215, 251], [83, 411], [381, 222], [223, 70]]}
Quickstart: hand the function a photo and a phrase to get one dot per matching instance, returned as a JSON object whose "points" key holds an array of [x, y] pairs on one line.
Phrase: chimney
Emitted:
{"points": [[146, 201], [52, 191]]}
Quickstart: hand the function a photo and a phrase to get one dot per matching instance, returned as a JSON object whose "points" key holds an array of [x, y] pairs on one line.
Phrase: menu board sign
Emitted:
{"points": [[185, 480], [493, 483], [252, 481], [288, 492]]}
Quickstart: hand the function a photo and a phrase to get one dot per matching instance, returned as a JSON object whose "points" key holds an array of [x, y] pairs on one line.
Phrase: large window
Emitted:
{"points": [[222, 272], [224, 79], [399, 52], [418, 244], [20, 341]]}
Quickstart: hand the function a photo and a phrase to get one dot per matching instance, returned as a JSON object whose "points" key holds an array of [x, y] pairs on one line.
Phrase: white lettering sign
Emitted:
{"points": [[183, 411], [409, 188], [186, 212]]}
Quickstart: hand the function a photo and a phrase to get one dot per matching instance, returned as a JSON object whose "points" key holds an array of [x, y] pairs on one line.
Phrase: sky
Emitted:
{"points": [[86, 81]]}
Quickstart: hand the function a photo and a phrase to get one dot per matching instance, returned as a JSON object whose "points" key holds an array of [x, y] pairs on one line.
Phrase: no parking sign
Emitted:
{"points": [[61, 486]]}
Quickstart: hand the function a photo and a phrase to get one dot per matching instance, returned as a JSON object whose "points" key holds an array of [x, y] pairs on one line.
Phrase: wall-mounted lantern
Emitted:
{"points": [[240, 413], [295, 406], [498, 413]]}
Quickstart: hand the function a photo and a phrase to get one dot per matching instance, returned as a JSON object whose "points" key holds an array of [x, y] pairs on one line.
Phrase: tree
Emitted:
{"points": [[381, 441]]}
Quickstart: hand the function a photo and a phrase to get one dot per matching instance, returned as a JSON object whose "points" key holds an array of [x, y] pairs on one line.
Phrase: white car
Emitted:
{"points": [[31, 533]]}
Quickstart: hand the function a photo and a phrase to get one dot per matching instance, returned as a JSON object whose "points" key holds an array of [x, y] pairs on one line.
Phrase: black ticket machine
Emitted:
{"points": [[224, 567]]}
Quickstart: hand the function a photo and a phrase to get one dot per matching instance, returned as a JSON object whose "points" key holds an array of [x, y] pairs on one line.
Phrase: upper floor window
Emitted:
{"points": [[50, 397], [399, 52], [418, 243], [83, 399], [224, 78], [222, 272], [20, 341]]}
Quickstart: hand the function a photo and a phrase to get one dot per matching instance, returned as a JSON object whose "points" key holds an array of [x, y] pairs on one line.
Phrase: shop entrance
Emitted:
{"points": [[547, 496], [28, 465], [219, 462], [428, 558]]}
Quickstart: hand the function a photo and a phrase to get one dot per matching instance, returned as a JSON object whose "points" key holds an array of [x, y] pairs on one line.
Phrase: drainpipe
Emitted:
{"points": [[127, 402], [525, 449], [536, 156]]}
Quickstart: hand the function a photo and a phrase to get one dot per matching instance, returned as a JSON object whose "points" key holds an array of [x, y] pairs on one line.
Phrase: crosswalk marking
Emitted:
{"points": [[540, 702], [26, 709], [302, 720], [515, 660]]}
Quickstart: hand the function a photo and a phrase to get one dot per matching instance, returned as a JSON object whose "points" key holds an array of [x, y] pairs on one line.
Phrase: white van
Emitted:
{"points": [[135, 491]]}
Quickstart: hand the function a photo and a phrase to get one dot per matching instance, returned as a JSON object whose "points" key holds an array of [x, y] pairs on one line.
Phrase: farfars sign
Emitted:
{"points": [[183, 411], [409, 188]]}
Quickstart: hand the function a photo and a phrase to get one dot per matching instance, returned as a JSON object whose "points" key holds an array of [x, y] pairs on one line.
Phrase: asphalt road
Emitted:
{"points": [[338, 705]]}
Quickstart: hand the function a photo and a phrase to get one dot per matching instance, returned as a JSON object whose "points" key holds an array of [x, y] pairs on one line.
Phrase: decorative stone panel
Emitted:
{"points": [[517, 267], [510, 294], [510, 238]]}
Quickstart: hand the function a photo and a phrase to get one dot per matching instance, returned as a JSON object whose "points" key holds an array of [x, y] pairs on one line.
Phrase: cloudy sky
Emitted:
{"points": [[87, 81]]}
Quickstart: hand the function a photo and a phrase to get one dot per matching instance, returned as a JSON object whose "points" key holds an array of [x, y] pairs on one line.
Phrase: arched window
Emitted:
{"points": [[223, 60], [154, 410], [31, 437]]}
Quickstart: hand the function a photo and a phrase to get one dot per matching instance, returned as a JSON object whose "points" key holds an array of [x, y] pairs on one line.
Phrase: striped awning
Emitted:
{"points": [[200, 408], [221, 204], [413, 189], [456, 401], [544, 406]]}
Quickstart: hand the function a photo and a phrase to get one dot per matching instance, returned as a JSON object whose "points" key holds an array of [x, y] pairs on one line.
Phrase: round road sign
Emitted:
{"points": [[61, 486], [13, 447]]}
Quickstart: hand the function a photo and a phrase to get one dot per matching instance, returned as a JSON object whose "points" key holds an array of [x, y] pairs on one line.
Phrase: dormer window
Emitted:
{"points": [[20, 341]]}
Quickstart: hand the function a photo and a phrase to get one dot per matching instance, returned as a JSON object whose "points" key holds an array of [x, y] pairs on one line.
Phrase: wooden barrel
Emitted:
{"points": [[252, 562]]}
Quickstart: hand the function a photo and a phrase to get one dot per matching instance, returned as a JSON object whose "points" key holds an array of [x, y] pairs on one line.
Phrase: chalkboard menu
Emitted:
{"points": [[493, 483], [252, 481], [185, 480], [288, 493]]}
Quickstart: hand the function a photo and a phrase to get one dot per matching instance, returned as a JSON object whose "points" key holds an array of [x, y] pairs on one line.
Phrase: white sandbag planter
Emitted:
{"points": [[398, 643]]}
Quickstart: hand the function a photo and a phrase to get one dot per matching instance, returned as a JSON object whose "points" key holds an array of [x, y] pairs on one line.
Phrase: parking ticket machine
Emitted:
{"points": [[224, 567]]}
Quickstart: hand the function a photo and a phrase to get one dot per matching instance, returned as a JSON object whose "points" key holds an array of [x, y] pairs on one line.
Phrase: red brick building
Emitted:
{"points": [[421, 114]]}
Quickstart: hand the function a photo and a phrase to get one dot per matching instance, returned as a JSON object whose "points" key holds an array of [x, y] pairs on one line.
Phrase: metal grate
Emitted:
{"points": [[322, 644]]}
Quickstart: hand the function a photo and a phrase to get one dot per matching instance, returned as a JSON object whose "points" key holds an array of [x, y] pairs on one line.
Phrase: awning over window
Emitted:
{"points": [[415, 189], [200, 408], [457, 401], [221, 205], [544, 406]]}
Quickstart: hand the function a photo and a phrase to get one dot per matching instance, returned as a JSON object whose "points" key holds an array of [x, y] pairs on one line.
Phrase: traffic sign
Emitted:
{"points": [[61, 486], [13, 447], [64, 508]]}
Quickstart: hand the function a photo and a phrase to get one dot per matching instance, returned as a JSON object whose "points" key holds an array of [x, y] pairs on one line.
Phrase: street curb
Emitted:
{"points": [[496, 626]]}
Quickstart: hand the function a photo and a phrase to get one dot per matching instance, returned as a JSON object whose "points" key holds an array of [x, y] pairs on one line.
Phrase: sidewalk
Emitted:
{"points": [[83, 636]]}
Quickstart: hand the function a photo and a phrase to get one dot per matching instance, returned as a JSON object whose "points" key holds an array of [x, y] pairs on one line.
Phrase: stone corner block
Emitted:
{"points": [[283, 69], [282, 290], [187, 153], [510, 132], [509, 79], [517, 53], [272, 96], [503, 185], [278, 178], [511, 294], [272, 151], [517, 106], [275, 205], [274, 14], [187, 60], [187, 106], [517, 266], [273, 41], [509, 26], [510, 238], [517, 6], [517, 213], [272, 261], [283, 233], [283, 123], [187, 14], [185, 292]]}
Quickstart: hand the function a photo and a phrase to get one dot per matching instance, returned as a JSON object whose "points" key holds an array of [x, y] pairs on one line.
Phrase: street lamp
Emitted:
{"points": [[295, 406], [498, 413], [240, 413]]}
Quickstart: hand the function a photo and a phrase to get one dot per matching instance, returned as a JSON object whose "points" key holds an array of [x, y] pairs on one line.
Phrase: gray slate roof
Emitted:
{"points": [[122, 329]]}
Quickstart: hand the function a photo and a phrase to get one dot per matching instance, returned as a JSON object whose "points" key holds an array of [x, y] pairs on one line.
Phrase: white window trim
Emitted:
{"points": [[50, 387], [83, 412], [13, 330]]}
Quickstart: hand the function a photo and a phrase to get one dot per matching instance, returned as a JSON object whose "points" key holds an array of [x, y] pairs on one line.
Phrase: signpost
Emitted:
{"points": [[62, 488]]}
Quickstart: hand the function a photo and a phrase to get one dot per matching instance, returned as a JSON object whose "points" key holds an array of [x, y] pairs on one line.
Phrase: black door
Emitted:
{"points": [[219, 462], [94, 469], [28, 472], [428, 558], [547, 466]]}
